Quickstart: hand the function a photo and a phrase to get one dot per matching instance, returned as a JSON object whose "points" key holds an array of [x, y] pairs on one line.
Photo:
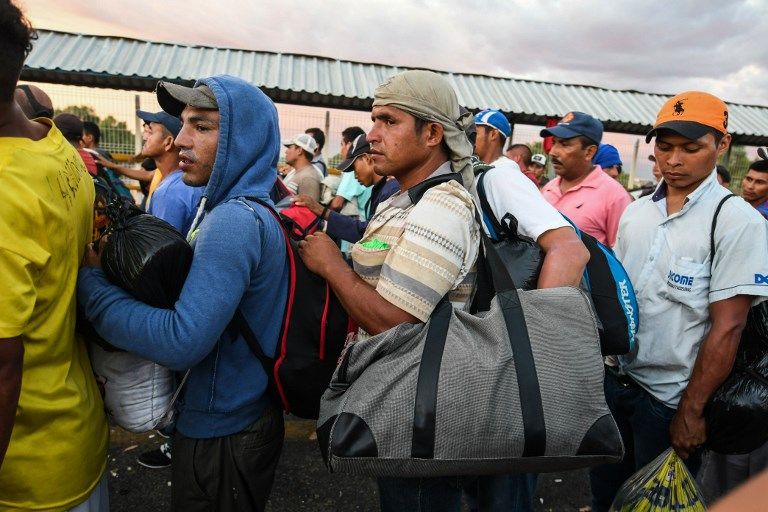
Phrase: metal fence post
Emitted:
{"points": [[327, 129], [137, 138]]}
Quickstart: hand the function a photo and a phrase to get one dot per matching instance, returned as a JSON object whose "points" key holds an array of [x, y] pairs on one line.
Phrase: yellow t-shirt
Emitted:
{"points": [[156, 179], [58, 448]]}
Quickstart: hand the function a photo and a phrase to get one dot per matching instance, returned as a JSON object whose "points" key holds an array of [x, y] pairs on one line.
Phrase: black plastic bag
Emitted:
{"points": [[737, 414], [522, 256], [148, 258], [107, 207]]}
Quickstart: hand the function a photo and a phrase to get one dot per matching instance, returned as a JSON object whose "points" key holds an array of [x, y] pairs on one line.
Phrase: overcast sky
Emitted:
{"points": [[647, 45]]}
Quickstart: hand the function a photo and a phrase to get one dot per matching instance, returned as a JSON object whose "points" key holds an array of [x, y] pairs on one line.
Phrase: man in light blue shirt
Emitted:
{"points": [[693, 304], [173, 200]]}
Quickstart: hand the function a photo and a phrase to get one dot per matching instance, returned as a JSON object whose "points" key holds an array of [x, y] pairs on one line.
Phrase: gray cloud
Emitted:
{"points": [[651, 46]]}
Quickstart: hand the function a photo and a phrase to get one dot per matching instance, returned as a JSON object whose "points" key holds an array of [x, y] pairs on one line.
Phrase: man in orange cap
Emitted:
{"points": [[693, 305]]}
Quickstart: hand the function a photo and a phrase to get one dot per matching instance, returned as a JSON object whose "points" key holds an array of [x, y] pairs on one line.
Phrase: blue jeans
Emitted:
{"points": [[643, 423], [497, 493], [442, 494], [502, 493]]}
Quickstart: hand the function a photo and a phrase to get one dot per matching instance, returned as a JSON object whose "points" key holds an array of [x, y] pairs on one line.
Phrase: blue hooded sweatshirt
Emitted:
{"points": [[239, 261]]}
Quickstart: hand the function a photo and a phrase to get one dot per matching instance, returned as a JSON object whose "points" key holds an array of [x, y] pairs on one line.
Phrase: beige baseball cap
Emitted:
{"points": [[304, 141]]}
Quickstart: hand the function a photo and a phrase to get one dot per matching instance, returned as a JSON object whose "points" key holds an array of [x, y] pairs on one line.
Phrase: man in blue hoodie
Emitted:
{"points": [[229, 435]]}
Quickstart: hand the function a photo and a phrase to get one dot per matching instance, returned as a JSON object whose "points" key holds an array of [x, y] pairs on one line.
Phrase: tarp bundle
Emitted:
{"points": [[148, 258]]}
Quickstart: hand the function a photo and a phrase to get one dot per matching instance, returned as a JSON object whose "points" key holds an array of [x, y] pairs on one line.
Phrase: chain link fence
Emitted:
{"points": [[115, 113]]}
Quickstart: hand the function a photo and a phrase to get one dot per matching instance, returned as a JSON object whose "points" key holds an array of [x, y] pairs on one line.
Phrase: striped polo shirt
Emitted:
{"points": [[416, 254]]}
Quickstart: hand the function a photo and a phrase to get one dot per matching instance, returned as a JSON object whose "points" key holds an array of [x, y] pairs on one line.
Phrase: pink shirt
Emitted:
{"points": [[595, 205]]}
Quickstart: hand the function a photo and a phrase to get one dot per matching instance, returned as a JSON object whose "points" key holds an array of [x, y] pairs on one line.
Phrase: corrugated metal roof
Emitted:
{"points": [[122, 63]]}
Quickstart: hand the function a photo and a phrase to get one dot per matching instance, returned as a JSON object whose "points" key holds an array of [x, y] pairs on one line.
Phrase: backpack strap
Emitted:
{"points": [[239, 321], [489, 219], [416, 192], [714, 225], [242, 326]]}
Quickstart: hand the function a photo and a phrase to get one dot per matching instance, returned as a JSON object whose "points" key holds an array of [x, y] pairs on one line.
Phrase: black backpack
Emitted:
{"points": [[607, 282], [605, 279], [312, 336], [314, 330]]}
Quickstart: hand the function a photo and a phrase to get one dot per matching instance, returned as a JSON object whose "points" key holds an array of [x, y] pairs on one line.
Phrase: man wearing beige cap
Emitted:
{"points": [[304, 179], [693, 304]]}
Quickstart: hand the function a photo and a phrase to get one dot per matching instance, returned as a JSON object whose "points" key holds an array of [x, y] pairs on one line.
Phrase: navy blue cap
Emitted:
{"points": [[574, 124], [606, 156], [172, 124]]}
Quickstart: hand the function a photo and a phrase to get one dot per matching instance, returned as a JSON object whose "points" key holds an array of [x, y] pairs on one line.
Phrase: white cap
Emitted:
{"points": [[304, 141], [540, 159]]}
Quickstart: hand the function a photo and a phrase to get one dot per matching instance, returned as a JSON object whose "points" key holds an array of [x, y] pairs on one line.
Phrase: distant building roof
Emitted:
{"points": [[121, 63]]}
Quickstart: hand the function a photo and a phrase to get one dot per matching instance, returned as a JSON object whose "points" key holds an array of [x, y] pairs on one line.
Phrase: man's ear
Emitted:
{"points": [[168, 144], [725, 143], [434, 134], [591, 150]]}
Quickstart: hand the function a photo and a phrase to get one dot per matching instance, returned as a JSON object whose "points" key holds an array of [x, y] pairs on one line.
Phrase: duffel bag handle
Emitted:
{"points": [[532, 410], [527, 379]]}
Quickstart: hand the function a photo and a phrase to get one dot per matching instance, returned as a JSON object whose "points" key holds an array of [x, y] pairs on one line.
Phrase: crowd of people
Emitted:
{"points": [[211, 155]]}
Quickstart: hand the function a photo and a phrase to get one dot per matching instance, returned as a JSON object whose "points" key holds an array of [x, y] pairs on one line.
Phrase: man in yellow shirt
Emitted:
{"points": [[53, 431]]}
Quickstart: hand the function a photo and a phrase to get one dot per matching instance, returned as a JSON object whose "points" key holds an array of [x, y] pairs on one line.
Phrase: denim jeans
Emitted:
{"points": [[442, 494], [502, 493], [497, 493], [643, 423]]}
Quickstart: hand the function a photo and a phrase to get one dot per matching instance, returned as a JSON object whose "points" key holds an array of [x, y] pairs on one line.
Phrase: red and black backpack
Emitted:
{"points": [[312, 336]]}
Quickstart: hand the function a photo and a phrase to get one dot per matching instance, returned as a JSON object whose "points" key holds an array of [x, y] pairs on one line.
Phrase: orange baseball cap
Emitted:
{"points": [[692, 114]]}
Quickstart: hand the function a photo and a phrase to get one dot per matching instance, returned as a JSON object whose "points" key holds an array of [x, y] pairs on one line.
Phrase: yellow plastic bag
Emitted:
{"points": [[664, 485]]}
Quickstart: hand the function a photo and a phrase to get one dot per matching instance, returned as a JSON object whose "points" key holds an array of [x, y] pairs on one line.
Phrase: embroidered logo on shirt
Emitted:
{"points": [[761, 279], [679, 281]]}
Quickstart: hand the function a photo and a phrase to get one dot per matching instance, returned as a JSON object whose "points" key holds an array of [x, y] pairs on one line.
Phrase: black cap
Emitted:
{"points": [[69, 125], [360, 146]]}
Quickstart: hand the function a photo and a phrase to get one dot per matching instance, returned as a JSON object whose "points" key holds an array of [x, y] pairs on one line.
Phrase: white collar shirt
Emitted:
{"points": [[675, 278], [508, 190]]}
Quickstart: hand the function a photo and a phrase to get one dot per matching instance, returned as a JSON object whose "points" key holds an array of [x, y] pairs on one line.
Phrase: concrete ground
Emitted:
{"points": [[302, 483]]}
